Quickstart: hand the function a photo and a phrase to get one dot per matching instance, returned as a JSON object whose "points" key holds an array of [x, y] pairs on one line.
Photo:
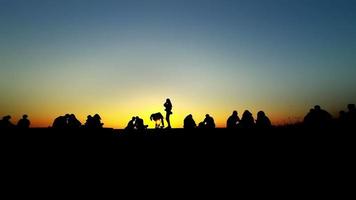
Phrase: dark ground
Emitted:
{"points": [[277, 141], [211, 158]]}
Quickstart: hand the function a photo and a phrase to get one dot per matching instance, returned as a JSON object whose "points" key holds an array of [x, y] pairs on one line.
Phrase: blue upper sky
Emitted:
{"points": [[214, 55]]}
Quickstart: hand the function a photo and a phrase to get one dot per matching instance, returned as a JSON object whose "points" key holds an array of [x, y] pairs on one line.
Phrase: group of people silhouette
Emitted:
{"points": [[315, 118], [136, 123], [189, 122], [319, 118], [70, 121], [247, 121], [207, 123], [23, 123]]}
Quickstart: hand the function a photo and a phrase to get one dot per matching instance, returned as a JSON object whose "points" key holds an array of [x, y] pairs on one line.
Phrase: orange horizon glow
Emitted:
{"points": [[118, 118]]}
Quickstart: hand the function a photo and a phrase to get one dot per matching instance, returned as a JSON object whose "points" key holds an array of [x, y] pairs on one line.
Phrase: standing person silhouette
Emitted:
{"points": [[168, 109]]}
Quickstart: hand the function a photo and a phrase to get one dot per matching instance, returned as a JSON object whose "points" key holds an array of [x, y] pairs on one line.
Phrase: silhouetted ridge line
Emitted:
{"points": [[316, 118]]}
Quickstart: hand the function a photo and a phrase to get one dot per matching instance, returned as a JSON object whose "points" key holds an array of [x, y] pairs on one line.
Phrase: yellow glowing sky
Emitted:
{"points": [[116, 114]]}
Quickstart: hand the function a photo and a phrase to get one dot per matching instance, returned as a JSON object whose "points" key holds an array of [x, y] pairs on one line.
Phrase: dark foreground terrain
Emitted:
{"points": [[282, 141], [284, 155]]}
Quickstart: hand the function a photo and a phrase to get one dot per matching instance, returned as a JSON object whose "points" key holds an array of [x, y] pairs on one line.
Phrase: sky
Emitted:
{"points": [[124, 58]]}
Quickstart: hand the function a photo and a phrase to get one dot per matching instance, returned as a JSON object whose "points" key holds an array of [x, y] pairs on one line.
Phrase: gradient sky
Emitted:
{"points": [[124, 58]]}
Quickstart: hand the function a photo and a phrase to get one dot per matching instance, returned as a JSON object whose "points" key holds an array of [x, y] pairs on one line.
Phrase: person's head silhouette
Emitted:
{"points": [[246, 113], [24, 116], [317, 108], [234, 113], [261, 114]]}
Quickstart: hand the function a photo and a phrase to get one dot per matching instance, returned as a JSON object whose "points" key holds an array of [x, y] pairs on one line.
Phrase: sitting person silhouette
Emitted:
{"points": [[93, 122], [233, 120], [317, 118], [209, 122], [139, 124], [89, 122], [131, 125], [262, 120], [168, 109], [247, 120], [24, 122], [97, 121], [60, 122], [5, 123], [189, 122], [158, 118], [73, 122]]}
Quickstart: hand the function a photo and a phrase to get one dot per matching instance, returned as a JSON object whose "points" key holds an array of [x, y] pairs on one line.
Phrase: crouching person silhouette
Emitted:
{"points": [[158, 118]]}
